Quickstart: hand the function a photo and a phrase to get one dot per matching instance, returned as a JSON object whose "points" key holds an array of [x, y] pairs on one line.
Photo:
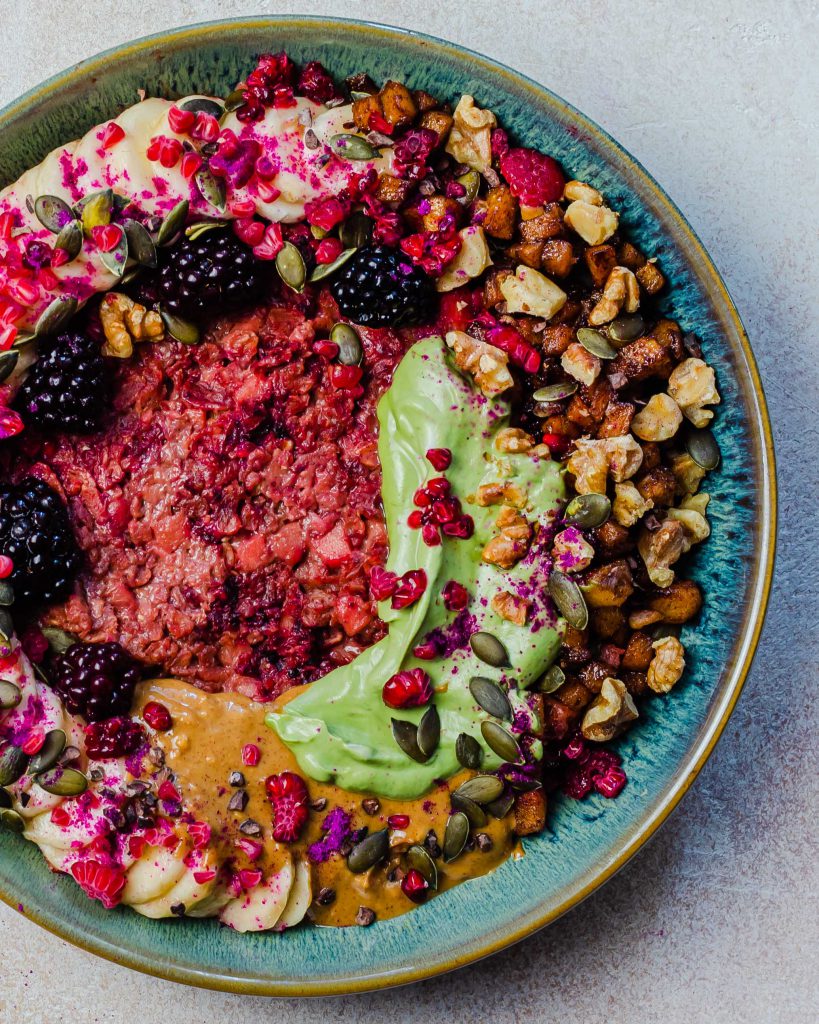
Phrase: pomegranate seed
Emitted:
{"points": [[170, 151], [266, 169], [106, 237], [328, 249], [167, 791], [430, 535], [251, 755], [440, 458], [325, 213], [112, 133], [136, 846], [558, 444], [242, 207], [59, 257], [439, 487], [383, 584], [414, 886], [455, 595], [267, 193], [251, 232], [6, 567], [343, 377], [421, 498], [325, 347], [398, 820], [6, 225], [462, 528], [181, 121], [410, 587], [10, 423], [206, 128], [60, 816], [575, 748], [249, 878], [203, 877], [33, 742], [411, 688], [191, 162], [157, 716], [446, 510], [415, 519], [426, 651]]}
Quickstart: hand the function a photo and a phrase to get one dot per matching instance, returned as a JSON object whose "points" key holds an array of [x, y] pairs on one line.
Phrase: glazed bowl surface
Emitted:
{"points": [[585, 843]]}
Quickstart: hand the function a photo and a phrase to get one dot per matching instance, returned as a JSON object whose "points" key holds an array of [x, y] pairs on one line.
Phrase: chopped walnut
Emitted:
{"points": [[499, 493], [472, 259], [693, 522], [528, 291], [667, 665], [470, 140], [629, 505], [660, 549], [609, 713], [513, 439], [589, 465], [124, 322], [620, 291], [594, 224], [580, 190], [688, 474], [658, 420], [579, 363], [512, 543], [625, 456], [486, 363], [692, 385], [511, 607], [571, 551]]}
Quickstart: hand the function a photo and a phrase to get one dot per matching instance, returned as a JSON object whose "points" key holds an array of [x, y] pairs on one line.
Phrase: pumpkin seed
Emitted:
{"points": [[524, 785], [596, 343], [49, 753], [471, 181], [588, 511], [70, 239], [665, 629], [482, 788], [552, 680], [55, 315], [405, 735], [211, 188], [13, 763], [455, 835], [114, 261], [502, 806], [8, 360], [489, 649], [131, 274], [325, 269], [6, 624], [96, 211], [474, 812], [428, 735], [569, 600], [194, 231], [202, 105], [53, 213], [502, 742], [366, 854], [356, 230], [419, 858], [468, 751], [6, 594], [701, 445], [234, 100], [11, 820], [291, 268], [352, 147], [58, 640], [556, 392], [62, 781], [181, 330], [10, 695], [173, 223], [140, 244], [350, 351], [318, 232], [626, 328], [24, 338], [490, 697]]}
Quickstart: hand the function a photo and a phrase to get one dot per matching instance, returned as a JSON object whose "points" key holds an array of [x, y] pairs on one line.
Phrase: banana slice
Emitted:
{"points": [[150, 877], [300, 898], [187, 891], [60, 860], [41, 829], [260, 909]]}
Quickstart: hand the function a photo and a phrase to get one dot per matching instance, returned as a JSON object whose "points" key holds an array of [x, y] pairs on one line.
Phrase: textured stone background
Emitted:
{"points": [[717, 919]]}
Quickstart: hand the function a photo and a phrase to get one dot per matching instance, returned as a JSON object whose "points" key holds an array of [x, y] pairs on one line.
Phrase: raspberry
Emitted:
{"points": [[99, 881], [114, 737], [411, 688], [533, 177], [289, 798]]}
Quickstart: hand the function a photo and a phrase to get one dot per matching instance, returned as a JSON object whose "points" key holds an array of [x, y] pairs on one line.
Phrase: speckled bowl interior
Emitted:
{"points": [[585, 843]]}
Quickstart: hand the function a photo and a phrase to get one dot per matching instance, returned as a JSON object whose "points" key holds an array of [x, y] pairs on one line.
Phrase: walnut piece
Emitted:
{"points": [[621, 291], [499, 493], [512, 543], [579, 363], [470, 139], [658, 420], [571, 551], [629, 505], [486, 363], [625, 456], [580, 190], [594, 460], [511, 607], [472, 259], [693, 522], [609, 713], [594, 224], [124, 322], [528, 291], [667, 665], [513, 439], [660, 549], [688, 474], [692, 385]]}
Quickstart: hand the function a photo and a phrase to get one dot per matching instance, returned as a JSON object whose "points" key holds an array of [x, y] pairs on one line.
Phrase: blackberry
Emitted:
{"points": [[95, 680], [36, 535], [379, 287], [210, 274], [68, 387], [115, 737]]}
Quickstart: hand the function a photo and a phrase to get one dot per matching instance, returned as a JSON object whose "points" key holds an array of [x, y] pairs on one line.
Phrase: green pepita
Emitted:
{"points": [[13, 763], [569, 600], [626, 328], [10, 695], [468, 751], [471, 181], [55, 315], [96, 211], [326, 269], [701, 445], [70, 239], [140, 244], [211, 188], [455, 835], [49, 753], [556, 392], [482, 788], [181, 330], [489, 649], [428, 735], [405, 735], [234, 100], [11, 820], [58, 640], [203, 105], [596, 343], [62, 781], [500, 807], [201, 227], [346, 337], [53, 213], [369, 852], [6, 594], [356, 231], [6, 624], [502, 742], [173, 223], [8, 360], [419, 858], [490, 697], [352, 147], [552, 680], [291, 268], [115, 259], [474, 812], [587, 511]]}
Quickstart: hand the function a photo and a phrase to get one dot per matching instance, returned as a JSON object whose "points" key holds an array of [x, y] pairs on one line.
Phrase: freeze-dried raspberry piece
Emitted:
{"points": [[533, 177]]}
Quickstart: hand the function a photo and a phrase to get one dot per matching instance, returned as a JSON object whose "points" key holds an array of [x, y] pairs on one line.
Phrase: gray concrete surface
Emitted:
{"points": [[717, 919]]}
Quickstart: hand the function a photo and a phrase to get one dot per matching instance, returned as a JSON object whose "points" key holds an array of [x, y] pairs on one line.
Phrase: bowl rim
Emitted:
{"points": [[759, 421]]}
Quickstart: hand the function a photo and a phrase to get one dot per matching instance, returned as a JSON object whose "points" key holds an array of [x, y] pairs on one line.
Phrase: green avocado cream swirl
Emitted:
{"points": [[339, 728]]}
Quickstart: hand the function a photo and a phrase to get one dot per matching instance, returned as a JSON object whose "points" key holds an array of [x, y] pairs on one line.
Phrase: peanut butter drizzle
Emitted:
{"points": [[204, 746]]}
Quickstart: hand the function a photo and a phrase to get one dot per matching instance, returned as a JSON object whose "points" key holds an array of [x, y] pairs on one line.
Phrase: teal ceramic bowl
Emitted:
{"points": [[584, 843]]}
